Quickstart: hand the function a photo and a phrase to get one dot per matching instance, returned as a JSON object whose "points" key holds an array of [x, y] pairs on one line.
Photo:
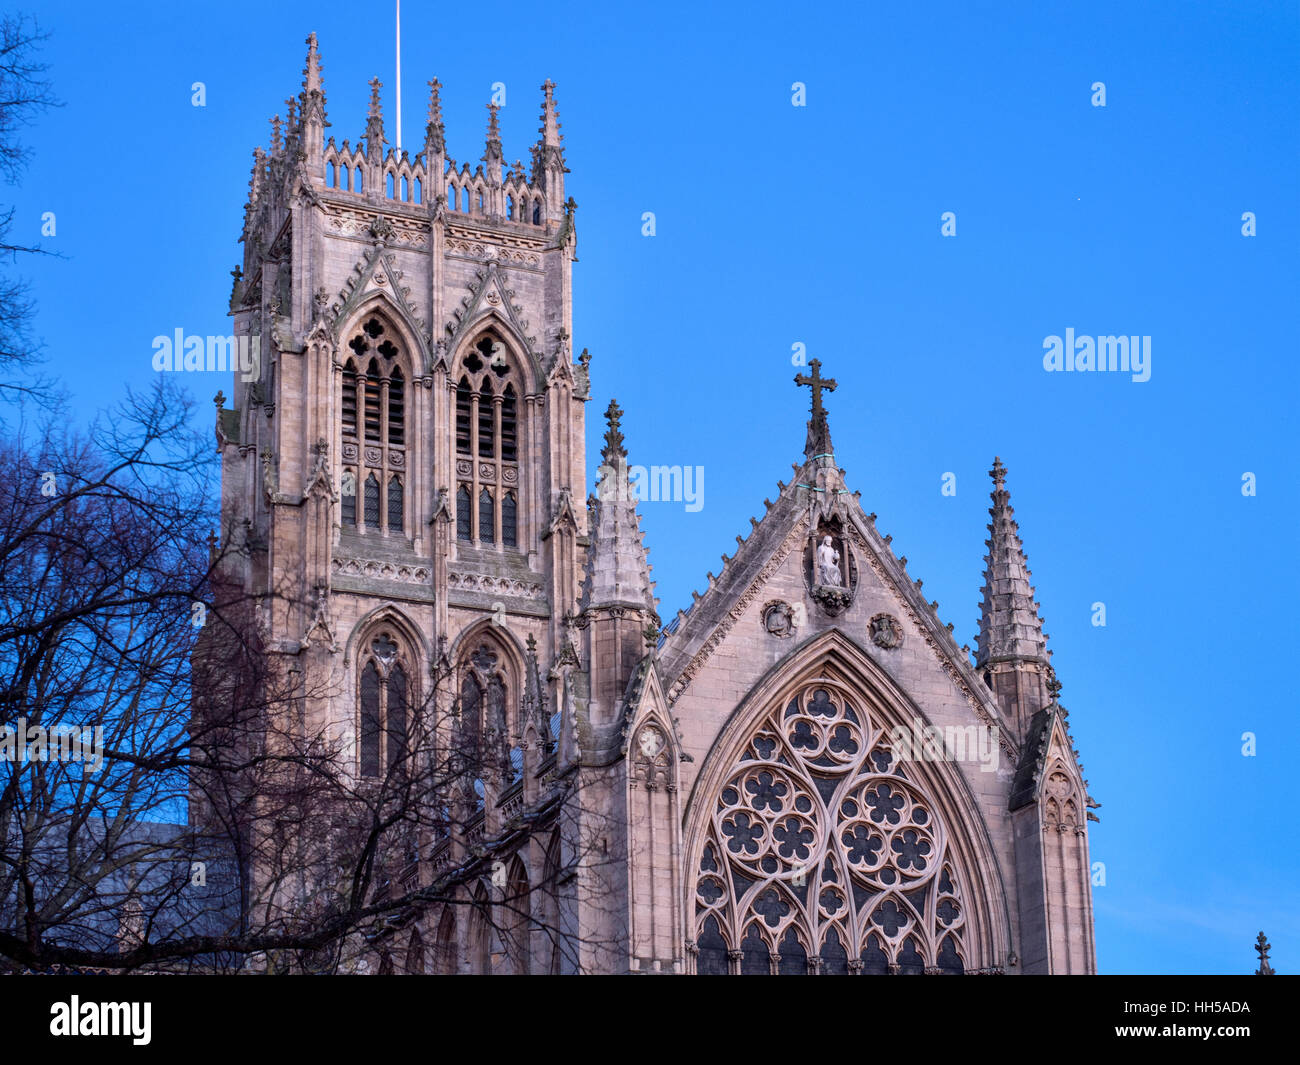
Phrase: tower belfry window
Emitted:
{"points": [[488, 443], [372, 420]]}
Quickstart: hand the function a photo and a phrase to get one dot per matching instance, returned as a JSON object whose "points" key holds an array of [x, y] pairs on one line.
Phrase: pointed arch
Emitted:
{"points": [[479, 939], [493, 322], [415, 956], [388, 719], [486, 651], [800, 799], [407, 333], [517, 918], [387, 614], [444, 944]]}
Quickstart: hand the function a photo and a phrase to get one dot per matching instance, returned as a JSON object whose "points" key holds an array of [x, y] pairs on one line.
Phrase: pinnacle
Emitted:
{"points": [[550, 127], [434, 134], [1009, 623], [374, 122], [616, 570], [311, 78]]}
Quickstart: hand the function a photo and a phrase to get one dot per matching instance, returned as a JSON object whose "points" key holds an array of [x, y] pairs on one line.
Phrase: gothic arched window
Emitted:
{"points": [[373, 424], [485, 729], [488, 431], [825, 854], [384, 705]]}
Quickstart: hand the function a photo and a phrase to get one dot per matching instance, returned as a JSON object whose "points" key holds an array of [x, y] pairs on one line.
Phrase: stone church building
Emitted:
{"points": [[801, 773]]}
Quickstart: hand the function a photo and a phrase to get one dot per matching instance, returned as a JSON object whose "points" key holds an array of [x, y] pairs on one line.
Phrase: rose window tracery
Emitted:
{"points": [[824, 854]]}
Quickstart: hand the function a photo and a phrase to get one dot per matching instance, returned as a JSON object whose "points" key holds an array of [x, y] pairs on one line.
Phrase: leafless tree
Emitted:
{"points": [[24, 94], [227, 827]]}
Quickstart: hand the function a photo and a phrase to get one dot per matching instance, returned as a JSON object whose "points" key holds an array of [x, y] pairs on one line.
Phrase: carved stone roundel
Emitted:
{"points": [[778, 619], [886, 631]]}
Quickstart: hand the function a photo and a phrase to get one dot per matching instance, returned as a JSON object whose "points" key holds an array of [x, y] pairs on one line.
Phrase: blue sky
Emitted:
{"points": [[820, 225]]}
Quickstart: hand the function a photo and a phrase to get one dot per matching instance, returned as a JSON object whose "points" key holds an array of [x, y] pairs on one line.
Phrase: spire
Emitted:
{"points": [[434, 135], [1009, 623], [617, 573], [818, 441], [375, 122]]}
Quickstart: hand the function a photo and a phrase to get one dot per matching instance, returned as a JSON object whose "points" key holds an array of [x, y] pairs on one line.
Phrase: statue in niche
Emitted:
{"points": [[828, 564], [830, 570]]}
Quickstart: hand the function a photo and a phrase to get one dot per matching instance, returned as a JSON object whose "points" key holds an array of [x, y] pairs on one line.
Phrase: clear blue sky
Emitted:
{"points": [[820, 225]]}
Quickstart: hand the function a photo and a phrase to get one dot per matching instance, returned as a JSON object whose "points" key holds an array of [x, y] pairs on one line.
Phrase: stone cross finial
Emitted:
{"points": [[817, 383], [819, 432]]}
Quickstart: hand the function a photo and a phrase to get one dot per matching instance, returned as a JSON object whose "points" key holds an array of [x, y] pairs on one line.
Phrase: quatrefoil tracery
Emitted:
{"points": [[817, 834]]}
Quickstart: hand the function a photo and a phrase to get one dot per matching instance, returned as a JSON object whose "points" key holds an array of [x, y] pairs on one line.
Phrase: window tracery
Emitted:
{"points": [[487, 446], [373, 421], [823, 854]]}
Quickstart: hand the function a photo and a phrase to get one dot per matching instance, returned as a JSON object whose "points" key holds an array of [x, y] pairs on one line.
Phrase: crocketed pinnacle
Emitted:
{"points": [[434, 135], [616, 571], [375, 121], [1009, 623]]}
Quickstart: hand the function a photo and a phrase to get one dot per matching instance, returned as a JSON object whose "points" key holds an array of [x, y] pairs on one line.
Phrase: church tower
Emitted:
{"points": [[403, 469]]}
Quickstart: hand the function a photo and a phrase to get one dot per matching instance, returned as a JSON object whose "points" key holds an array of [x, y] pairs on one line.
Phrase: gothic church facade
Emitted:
{"points": [[724, 794]]}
